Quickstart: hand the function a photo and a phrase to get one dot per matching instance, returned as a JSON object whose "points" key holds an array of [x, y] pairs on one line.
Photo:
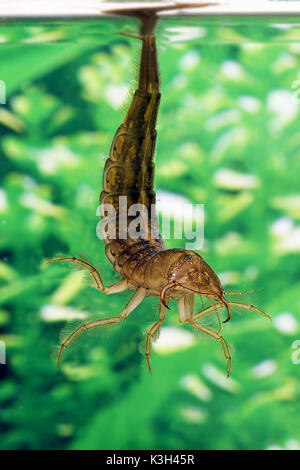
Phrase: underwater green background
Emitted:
{"points": [[228, 138]]}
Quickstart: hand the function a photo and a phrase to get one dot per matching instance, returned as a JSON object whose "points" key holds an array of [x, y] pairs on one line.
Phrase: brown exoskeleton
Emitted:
{"points": [[145, 264]]}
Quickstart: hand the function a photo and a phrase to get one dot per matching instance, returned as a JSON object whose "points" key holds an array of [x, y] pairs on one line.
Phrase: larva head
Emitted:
{"points": [[192, 273]]}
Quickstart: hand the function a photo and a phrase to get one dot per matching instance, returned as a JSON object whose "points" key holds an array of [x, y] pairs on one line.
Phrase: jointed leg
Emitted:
{"points": [[151, 333], [132, 304], [218, 316], [216, 335], [113, 289], [157, 306], [219, 305], [250, 307], [208, 310]]}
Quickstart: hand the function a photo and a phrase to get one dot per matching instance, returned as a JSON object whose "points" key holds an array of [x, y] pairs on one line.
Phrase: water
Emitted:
{"points": [[233, 30], [228, 137]]}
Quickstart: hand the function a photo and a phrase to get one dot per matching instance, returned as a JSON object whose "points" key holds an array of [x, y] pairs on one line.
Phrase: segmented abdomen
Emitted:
{"points": [[129, 172]]}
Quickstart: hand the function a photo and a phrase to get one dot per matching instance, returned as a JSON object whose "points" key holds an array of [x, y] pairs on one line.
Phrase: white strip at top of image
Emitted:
{"points": [[100, 8]]}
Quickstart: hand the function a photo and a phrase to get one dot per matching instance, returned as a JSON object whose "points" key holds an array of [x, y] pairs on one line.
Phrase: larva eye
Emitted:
{"points": [[204, 276], [194, 275]]}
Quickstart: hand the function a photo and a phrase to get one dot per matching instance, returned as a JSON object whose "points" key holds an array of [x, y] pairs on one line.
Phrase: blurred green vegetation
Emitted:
{"points": [[228, 137]]}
